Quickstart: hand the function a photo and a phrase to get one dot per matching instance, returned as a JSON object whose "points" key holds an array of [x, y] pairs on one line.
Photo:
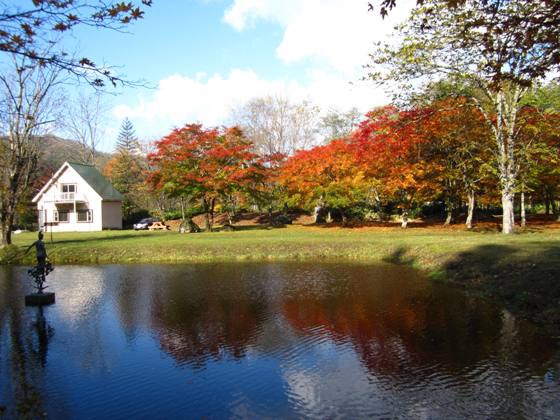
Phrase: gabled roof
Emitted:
{"points": [[98, 182], [92, 176]]}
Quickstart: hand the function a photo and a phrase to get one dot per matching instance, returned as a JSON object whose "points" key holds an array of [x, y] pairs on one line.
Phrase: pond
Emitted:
{"points": [[319, 340]]}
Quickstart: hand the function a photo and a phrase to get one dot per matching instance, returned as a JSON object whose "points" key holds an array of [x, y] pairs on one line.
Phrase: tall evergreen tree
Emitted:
{"points": [[126, 167], [127, 142]]}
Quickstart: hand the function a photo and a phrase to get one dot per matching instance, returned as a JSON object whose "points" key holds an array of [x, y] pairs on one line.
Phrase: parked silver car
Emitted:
{"points": [[144, 223]]}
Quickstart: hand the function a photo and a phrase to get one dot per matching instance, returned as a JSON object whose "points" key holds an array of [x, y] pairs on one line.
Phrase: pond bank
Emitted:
{"points": [[521, 270]]}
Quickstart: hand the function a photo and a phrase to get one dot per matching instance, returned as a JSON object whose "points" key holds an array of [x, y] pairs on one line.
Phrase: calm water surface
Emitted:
{"points": [[266, 340]]}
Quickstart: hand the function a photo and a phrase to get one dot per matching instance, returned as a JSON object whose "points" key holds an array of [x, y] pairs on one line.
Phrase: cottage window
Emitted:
{"points": [[68, 192], [60, 216], [85, 215], [68, 188]]}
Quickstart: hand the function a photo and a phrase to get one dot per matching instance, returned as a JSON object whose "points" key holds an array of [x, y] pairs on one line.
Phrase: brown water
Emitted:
{"points": [[267, 340]]}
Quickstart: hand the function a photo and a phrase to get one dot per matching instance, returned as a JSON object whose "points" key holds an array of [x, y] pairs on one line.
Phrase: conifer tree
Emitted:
{"points": [[127, 142], [126, 167]]}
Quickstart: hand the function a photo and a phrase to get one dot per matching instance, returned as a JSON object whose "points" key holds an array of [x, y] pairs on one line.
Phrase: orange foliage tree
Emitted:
{"points": [[326, 176]]}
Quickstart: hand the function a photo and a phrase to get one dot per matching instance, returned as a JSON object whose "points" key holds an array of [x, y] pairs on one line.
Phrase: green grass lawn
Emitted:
{"points": [[422, 247], [523, 270]]}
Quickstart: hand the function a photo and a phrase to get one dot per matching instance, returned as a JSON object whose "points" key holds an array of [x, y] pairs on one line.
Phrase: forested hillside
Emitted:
{"points": [[54, 151]]}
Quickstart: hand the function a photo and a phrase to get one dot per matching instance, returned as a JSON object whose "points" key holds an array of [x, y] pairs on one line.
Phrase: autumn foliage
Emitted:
{"points": [[395, 162], [208, 164]]}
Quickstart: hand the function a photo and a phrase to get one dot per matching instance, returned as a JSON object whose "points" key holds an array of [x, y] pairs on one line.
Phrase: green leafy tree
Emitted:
{"points": [[545, 98]]}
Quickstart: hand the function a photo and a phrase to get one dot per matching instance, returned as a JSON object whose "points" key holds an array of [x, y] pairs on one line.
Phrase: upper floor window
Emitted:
{"points": [[68, 188]]}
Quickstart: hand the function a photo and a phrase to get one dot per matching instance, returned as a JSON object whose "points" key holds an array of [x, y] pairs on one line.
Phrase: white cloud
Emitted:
{"points": [[338, 33], [209, 100], [331, 37], [244, 14]]}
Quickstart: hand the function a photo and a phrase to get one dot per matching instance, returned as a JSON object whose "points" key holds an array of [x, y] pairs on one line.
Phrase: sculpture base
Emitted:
{"points": [[39, 299]]}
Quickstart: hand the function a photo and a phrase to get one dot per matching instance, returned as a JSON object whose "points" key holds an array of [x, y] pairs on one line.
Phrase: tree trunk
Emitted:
{"points": [[230, 218], [404, 222], [8, 210], [6, 235], [508, 216], [344, 218], [182, 210], [316, 213], [449, 217], [506, 104], [470, 211], [207, 221], [26, 106], [212, 205], [522, 204]]}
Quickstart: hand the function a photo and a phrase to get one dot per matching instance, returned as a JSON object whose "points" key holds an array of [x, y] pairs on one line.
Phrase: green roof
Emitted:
{"points": [[98, 182]]}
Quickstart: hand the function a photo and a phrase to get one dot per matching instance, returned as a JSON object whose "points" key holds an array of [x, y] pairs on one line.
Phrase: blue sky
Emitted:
{"points": [[204, 58], [184, 36]]}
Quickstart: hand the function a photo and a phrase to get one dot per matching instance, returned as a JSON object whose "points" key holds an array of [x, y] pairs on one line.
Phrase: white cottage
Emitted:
{"points": [[78, 199]]}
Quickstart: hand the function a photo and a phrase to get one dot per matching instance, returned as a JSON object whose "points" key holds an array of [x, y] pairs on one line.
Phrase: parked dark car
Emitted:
{"points": [[144, 223]]}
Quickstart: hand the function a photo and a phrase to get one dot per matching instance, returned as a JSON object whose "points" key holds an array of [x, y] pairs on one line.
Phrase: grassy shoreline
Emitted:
{"points": [[522, 271]]}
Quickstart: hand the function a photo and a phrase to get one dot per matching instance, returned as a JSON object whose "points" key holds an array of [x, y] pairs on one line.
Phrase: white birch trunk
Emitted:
{"points": [[316, 212], [470, 211], [523, 214], [508, 220], [404, 222], [506, 105], [449, 217]]}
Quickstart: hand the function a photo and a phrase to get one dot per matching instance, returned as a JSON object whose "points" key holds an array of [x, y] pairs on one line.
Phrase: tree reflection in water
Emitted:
{"points": [[198, 318], [295, 339], [423, 338]]}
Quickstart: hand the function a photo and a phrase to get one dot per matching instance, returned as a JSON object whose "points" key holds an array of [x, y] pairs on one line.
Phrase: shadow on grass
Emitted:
{"points": [[400, 257], [85, 238], [248, 228], [526, 278]]}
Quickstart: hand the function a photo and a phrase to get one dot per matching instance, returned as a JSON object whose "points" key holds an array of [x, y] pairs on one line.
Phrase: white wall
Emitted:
{"points": [[112, 214], [93, 202]]}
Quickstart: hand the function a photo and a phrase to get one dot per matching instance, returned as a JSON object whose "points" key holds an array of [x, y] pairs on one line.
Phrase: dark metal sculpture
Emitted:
{"points": [[39, 274]]}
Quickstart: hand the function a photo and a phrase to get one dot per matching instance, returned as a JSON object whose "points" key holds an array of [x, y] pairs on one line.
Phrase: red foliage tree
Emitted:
{"points": [[206, 164], [390, 147]]}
